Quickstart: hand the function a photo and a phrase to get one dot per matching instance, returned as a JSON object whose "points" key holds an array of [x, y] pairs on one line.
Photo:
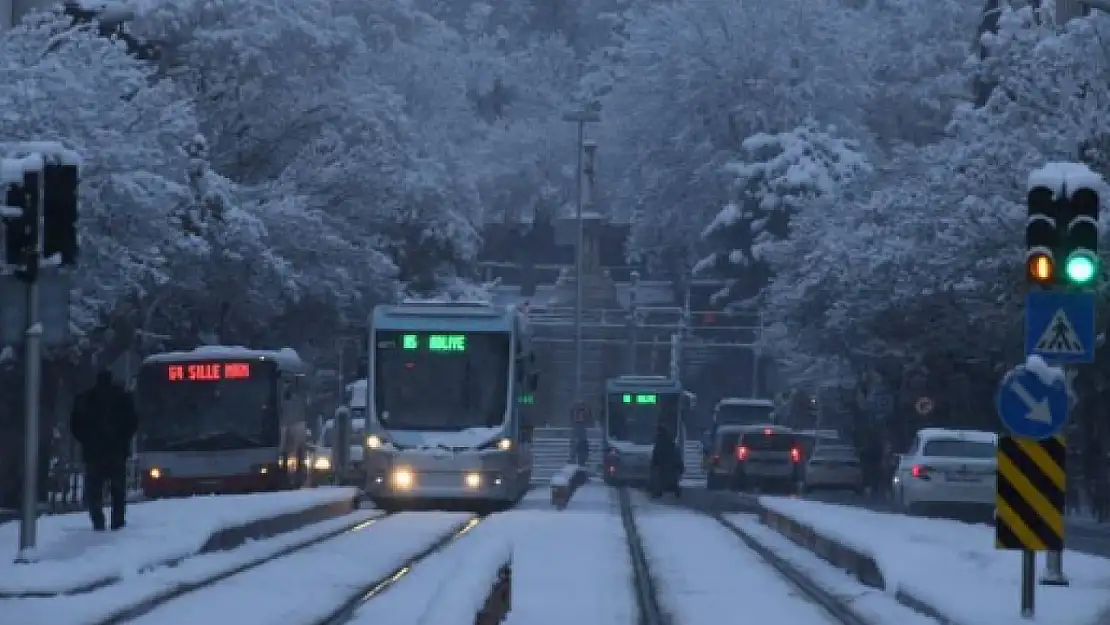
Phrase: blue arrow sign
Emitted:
{"points": [[1060, 327], [1031, 407]]}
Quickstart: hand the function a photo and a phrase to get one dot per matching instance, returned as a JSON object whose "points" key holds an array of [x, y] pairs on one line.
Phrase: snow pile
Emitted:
{"points": [[71, 555], [1069, 177], [954, 566], [1048, 374], [96, 607]]}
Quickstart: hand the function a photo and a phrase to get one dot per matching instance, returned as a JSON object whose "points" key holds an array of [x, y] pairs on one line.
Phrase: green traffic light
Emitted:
{"points": [[1081, 268]]}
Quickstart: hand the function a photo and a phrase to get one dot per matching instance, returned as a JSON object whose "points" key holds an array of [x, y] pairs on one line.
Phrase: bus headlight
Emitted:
{"points": [[155, 473], [373, 441], [505, 444], [473, 480], [402, 479], [323, 463]]}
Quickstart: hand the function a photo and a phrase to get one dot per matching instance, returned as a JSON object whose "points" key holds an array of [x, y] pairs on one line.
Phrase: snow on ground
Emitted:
{"points": [[95, 607], [572, 566], [954, 566], [874, 605], [450, 587], [702, 571], [308, 585], [70, 554]]}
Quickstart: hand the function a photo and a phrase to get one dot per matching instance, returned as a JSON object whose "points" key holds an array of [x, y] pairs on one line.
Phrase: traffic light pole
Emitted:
{"points": [[32, 383]]}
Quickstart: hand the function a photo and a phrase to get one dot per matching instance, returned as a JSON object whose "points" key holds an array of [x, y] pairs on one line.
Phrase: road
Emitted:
{"points": [[1080, 535]]}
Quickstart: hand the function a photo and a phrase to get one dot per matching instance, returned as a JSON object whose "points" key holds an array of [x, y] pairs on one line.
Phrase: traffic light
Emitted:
{"points": [[60, 213], [1080, 238], [1041, 236], [21, 233]]}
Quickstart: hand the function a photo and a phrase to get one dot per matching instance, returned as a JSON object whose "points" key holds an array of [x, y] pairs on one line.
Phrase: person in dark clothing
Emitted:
{"points": [[104, 422], [871, 464], [666, 464]]}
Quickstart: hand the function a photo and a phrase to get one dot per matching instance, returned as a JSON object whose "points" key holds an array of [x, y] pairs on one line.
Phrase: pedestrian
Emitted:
{"points": [[667, 466], [104, 422]]}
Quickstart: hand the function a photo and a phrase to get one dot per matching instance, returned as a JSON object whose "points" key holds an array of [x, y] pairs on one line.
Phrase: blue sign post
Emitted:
{"points": [[1060, 327], [1030, 406]]}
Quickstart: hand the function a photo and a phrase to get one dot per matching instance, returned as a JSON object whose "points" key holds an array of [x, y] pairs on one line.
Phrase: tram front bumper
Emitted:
{"points": [[411, 483]]}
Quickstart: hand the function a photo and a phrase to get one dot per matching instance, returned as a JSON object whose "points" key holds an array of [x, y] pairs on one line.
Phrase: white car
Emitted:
{"points": [[947, 472]]}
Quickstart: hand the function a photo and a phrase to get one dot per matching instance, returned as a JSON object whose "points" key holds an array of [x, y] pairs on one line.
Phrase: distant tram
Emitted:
{"points": [[222, 420], [445, 423], [635, 406]]}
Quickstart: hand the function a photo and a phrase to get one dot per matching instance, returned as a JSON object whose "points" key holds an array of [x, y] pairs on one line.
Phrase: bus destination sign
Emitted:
{"points": [[208, 371]]}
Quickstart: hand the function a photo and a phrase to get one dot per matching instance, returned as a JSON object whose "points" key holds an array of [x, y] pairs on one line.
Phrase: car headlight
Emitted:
{"points": [[505, 444], [473, 480], [402, 479], [155, 473], [323, 463], [373, 441]]}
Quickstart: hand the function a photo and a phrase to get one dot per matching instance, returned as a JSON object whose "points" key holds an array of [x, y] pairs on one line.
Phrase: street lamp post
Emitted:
{"points": [[581, 117]]}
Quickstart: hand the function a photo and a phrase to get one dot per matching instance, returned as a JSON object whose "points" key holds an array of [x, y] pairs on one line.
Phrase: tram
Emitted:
{"points": [[444, 420], [222, 420], [635, 406]]}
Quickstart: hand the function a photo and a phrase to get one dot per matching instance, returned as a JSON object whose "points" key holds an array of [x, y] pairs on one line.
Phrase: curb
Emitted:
{"points": [[224, 539], [860, 565]]}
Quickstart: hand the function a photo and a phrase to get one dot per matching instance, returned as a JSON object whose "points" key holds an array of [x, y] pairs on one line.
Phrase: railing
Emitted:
{"points": [[66, 486], [647, 316]]}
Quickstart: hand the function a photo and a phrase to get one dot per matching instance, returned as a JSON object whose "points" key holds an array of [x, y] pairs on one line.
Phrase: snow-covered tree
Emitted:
{"points": [[776, 176]]}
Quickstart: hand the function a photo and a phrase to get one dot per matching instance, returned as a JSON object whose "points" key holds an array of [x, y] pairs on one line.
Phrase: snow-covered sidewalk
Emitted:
{"points": [[70, 556], [954, 567]]}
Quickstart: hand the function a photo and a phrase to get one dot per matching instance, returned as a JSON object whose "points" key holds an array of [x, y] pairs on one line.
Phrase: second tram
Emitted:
{"points": [[444, 421], [635, 406], [222, 420]]}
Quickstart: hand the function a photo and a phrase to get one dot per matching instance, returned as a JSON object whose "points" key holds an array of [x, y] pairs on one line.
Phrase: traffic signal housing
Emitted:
{"points": [[60, 213], [21, 233], [1041, 236], [1079, 245]]}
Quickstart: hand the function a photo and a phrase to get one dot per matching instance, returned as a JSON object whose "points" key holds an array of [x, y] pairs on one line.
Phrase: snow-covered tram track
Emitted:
{"points": [[834, 607], [321, 585], [704, 567], [647, 602]]}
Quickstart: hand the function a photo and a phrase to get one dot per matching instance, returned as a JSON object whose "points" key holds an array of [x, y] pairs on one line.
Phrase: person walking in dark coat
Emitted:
{"points": [[104, 422], [667, 466]]}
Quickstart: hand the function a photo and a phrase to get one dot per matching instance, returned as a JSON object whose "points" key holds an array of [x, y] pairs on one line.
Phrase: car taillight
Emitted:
{"points": [[741, 453], [920, 471], [795, 455]]}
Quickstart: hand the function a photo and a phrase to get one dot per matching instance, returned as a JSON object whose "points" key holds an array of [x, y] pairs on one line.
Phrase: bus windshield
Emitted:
{"points": [[633, 417], [741, 414], [195, 407], [441, 381]]}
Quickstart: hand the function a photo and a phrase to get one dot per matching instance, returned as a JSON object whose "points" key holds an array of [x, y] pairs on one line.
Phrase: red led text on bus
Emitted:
{"points": [[207, 372]]}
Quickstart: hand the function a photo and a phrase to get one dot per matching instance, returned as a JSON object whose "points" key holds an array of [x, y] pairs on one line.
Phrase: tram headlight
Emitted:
{"points": [[402, 479], [473, 480], [505, 444], [373, 441], [155, 473], [322, 463]]}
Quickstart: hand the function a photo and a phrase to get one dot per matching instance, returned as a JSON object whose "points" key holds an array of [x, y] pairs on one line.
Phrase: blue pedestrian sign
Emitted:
{"points": [[1031, 407], [1060, 327]]}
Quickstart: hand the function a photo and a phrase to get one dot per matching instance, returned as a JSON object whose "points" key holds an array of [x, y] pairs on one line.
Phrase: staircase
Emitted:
{"points": [[691, 456], [551, 450]]}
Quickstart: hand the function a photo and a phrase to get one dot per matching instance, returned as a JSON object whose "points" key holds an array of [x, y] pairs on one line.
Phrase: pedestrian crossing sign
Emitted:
{"points": [[1060, 327]]}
